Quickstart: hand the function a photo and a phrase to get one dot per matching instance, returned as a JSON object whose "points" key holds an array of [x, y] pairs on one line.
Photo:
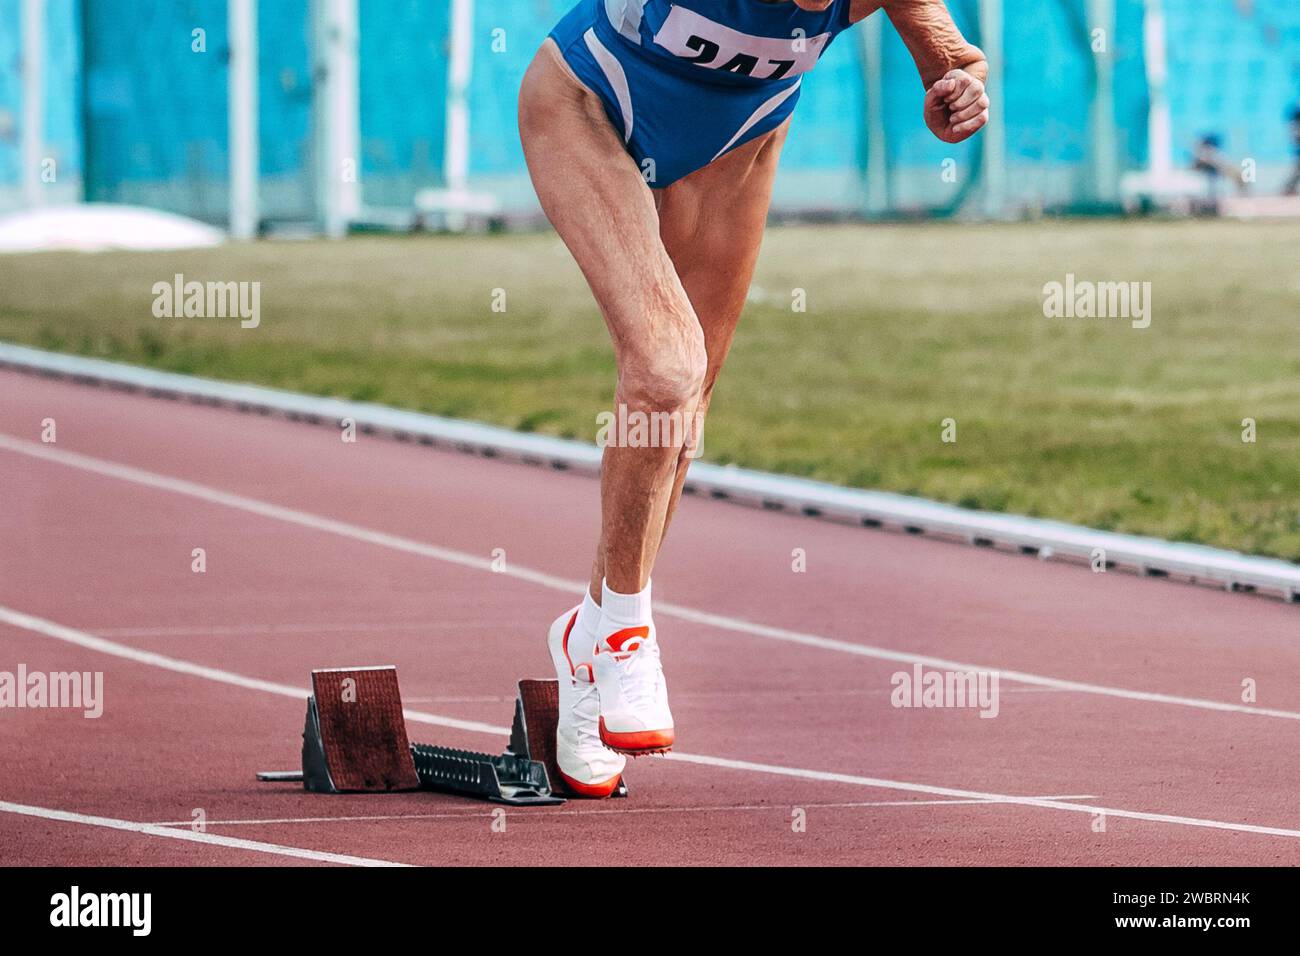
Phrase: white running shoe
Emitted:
{"points": [[588, 768], [634, 714]]}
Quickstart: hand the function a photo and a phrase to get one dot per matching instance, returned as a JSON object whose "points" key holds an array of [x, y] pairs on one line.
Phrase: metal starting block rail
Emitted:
{"points": [[354, 741]]}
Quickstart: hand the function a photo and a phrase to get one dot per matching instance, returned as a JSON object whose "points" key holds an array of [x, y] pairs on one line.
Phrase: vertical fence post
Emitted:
{"points": [[1103, 141], [243, 113], [993, 136], [337, 116], [1159, 127], [32, 134], [459, 69], [871, 51]]}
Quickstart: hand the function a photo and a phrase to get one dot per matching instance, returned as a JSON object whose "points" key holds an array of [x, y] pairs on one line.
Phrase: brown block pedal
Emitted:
{"points": [[355, 739]]}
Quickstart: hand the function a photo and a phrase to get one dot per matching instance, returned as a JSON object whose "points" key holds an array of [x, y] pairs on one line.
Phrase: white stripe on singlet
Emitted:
{"points": [[613, 71], [768, 106]]}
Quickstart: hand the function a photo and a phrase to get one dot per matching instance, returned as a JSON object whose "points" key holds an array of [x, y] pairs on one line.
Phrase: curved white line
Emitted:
{"points": [[541, 578], [767, 107], [613, 71], [89, 641], [1053, 539], [175, 833]]}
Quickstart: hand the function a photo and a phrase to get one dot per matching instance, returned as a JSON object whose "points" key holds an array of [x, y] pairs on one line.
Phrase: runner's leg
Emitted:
{"points": [[712, 224], [594, 195]]}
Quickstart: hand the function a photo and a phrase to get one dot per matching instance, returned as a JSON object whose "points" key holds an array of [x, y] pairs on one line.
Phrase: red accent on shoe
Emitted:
{"points": [[618, 640], [638, 741], [602, 789], [564, 642]]}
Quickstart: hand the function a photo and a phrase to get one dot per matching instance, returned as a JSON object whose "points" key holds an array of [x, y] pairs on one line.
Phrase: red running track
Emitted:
{"points": [[1121, 736]]}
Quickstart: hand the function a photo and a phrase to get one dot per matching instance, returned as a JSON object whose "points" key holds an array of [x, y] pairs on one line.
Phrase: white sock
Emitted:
{"points": [[618, 611], [588, 626]]}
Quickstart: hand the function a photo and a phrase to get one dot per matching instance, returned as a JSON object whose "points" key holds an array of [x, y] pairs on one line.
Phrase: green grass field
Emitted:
{"points": [[1085, 420]]}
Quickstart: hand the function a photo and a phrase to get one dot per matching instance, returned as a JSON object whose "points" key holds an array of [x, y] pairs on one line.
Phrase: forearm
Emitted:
{"points": [[934, 41]]}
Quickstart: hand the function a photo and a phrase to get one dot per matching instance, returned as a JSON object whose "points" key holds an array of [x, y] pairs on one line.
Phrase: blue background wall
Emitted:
{"points": [[1234, 67], [63, 106], [403, 93], [156, 110]]}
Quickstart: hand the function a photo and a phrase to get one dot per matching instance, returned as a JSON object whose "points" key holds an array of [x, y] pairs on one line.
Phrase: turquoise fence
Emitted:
{"points": [[62, 117], [136, 106]]}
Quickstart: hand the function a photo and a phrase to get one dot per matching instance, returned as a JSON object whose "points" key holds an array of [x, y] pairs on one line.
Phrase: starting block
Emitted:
{"points": [[354, 741]]}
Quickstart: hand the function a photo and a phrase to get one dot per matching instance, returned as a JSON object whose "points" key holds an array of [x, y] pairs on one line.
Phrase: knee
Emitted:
{"points": [[666, 375]]}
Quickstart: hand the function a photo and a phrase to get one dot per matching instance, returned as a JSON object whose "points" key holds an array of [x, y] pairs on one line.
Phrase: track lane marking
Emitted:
{"points": [[720, 808], [89, 641], [70, 635], [171, 833], [721, 622]]}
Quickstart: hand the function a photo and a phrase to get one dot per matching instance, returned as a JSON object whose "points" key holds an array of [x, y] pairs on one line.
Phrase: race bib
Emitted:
{"points": [[699, 40]]}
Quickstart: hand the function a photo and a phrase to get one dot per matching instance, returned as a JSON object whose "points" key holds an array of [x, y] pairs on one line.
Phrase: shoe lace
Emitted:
{"points": [[641, 674], [588, 708]]}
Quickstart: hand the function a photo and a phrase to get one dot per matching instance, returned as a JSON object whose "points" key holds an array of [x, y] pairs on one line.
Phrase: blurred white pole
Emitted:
{"points": [[993, 135], [338, 114], [32, 134], [243, 113], [871, 49], [459, 70], [1101, 111], [1160, 140]]}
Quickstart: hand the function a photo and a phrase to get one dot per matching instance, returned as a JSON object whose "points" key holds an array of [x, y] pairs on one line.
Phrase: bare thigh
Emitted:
{"points": [[652, 257], [594, 195], [712, 225], [670, 271]]}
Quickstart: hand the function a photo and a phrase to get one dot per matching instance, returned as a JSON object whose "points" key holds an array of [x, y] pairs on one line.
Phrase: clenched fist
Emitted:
{"points": [[956, 106]]}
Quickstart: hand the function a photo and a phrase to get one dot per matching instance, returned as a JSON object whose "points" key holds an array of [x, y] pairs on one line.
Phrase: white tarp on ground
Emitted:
{"points": [[95, 227]]}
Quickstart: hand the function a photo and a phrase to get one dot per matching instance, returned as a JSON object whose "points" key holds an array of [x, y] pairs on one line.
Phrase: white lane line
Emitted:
{"points": [[154, 830], [39, 625], [719, 621], [248, 630], [81, 639], [579, 810], [827, 777]]}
